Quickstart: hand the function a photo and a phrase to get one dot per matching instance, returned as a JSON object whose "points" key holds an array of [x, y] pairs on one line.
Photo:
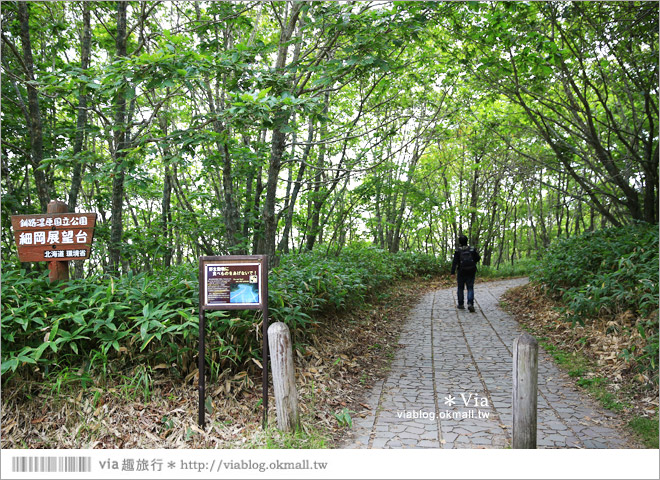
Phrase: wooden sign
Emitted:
{"points": [[53, 236]]}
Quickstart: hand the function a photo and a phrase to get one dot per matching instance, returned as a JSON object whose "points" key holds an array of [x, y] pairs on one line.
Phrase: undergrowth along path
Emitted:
{"points": [[450, 385]]}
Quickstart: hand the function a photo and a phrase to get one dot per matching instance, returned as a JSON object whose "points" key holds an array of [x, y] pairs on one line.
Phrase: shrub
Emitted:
{"points": [[106, 323], [608, 272], [152, 317], [520, 268]]}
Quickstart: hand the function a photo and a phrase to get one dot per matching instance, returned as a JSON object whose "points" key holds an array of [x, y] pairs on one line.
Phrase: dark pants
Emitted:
{"points": [[465, 280]]}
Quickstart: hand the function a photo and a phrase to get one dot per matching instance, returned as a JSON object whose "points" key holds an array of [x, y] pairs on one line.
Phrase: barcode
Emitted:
{"points": [[51, 464]]}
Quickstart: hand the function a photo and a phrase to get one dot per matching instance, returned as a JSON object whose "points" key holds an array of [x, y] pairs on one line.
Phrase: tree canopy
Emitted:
{"points": [[247, 127]]}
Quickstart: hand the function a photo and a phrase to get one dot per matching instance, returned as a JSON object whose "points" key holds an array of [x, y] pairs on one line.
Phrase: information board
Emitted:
{"points": [[236, 282], [231, 282]]}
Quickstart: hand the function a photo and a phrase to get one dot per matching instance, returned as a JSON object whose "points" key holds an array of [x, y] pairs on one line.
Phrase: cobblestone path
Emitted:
{"points": [[450, 385]]}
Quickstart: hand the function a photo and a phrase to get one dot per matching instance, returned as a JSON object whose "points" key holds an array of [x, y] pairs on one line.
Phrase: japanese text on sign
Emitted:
{"points": [[232, 284], [53, 222], [53, 237]]}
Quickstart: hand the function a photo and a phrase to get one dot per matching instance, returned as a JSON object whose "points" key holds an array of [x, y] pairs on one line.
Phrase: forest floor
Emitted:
{"points": [[339, 362], [591, 355]]}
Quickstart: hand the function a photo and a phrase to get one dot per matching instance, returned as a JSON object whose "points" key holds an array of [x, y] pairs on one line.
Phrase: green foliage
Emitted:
{"points": [[647, 429], [343, 417], [92, 321], [607, 272], [520, 268], [307, 437], [148, 321], [311, 283]]}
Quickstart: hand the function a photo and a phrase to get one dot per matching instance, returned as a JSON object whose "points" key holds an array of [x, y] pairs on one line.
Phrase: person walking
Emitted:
{"points": [[465, 264]]}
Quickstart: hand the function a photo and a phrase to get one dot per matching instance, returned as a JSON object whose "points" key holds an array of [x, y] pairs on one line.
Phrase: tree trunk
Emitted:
{"points": [[515, 233], [81, 124], [474, 199], [288, 224], [316, 202], [120, 144], [396, 240], [278, 143], [258, 243], [379, 238], [44, 189], [165, 212], [81, 121]]}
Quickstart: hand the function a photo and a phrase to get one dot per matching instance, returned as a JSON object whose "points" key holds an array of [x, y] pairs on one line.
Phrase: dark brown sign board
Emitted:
{"points": [[233, 282], [53, 236]]}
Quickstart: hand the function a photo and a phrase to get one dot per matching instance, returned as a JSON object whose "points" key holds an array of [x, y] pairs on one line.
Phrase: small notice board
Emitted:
{"points": [[234, 282], [230, 283]]}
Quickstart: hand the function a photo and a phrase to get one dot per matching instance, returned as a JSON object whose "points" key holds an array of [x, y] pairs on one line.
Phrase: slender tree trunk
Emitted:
{"points": [[450, 207], [558, 210], [166, 213], [278, 143], [568, 219], [474, 200], [233, 240], [120, 144], [81, 124], [530, 219], [318, 199], [288, 224], [81, 121], [544, 230], [396, 240], [515, 233], [248, 206], [34, 119], [651, 187], [283, 246], [259, 242]]}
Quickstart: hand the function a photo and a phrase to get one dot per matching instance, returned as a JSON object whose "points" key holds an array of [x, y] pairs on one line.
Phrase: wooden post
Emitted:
{"points": [[264, 342], [58, 270], [284, 382], [525, 390], [201, 382]]}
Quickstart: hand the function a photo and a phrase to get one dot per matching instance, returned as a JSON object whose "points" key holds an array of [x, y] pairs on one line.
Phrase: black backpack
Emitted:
{"points": [[466, 262]]}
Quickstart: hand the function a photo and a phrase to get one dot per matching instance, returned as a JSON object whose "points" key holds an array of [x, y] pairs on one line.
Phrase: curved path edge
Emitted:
{"points": [[450, 385]]}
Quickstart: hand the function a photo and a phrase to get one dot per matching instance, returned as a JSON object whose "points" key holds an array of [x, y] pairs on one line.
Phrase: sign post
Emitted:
{"points": [[57, 270], [55, 237], [235, 282]]}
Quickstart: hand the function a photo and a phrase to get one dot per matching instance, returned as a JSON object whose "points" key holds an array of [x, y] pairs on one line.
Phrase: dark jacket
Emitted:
{"points": [[457, 257]]}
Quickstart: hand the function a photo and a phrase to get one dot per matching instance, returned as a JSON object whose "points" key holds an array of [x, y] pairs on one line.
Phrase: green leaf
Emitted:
{"points": [[146, 342], [263, 93], [24, 359], [143, 329], [39, 351], [53, 332], [146, 311], [12, 364]]}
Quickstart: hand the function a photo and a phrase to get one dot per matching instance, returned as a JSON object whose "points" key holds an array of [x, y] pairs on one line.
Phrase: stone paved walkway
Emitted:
{"points": [[450, 385]]}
